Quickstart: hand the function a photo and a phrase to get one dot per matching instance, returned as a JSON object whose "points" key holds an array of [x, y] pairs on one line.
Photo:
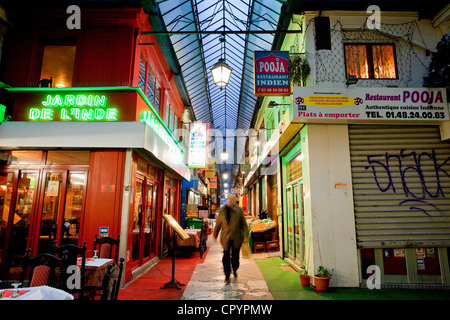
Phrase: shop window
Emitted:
{"points": [[370, 61], [141, 166], [67, 157], [294, 168], [152, 172], [427, 261], [24, 157], [76, 183], [57, 66], [394, 261]]}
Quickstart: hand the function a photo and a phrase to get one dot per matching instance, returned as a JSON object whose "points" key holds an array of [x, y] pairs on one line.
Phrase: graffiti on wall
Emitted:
{"points": [[420, 177]]}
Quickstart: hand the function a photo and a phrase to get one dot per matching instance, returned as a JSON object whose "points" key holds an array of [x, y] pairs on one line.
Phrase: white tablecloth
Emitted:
{"points": [[41, 293]]}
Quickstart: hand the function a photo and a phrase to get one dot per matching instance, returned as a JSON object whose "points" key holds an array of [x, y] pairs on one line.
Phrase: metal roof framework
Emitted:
{"points": [[203, 31]]}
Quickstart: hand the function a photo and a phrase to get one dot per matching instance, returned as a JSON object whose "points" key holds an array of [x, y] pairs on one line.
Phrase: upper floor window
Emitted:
{"points": [[142, 72], [370, 61], [57, 66]]}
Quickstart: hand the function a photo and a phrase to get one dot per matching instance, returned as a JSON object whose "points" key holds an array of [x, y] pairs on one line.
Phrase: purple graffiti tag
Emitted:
{"points": [[419, 175]]}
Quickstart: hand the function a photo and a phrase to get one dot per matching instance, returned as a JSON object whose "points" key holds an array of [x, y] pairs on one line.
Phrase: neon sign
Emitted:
{"points": [[73, 108], [149, 118]]}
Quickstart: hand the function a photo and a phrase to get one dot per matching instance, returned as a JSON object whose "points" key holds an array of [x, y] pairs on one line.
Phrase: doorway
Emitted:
{"points": [[38, 207], [145, 221], [295, 223]]}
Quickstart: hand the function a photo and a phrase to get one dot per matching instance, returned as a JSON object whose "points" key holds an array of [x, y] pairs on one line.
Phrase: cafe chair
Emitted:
{"points": [[71, 253], [105, 246], [41, 270], [111, 281]]}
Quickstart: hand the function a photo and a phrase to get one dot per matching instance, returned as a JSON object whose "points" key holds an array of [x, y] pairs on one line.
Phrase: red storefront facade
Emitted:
{"points": [[93, 153]]}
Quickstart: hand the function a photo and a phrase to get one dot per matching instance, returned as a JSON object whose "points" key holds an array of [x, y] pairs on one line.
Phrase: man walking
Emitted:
{"points": [[233, 231]]}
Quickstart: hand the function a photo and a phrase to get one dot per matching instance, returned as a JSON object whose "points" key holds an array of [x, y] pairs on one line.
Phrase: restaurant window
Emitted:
{"points": [[26, 157], [370, 61], [57, 66], [67, 157]]}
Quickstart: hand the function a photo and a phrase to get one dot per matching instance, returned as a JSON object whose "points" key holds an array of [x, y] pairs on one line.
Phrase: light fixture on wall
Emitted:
{"points": [[272, 104], [351, 80]]}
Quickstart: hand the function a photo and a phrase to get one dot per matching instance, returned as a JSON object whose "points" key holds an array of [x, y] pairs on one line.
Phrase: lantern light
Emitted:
{"points": [[221, 73]]}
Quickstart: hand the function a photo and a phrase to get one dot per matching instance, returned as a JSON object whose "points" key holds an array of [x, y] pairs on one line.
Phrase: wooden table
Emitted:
{"points": [[192, 241], [95, 270]]}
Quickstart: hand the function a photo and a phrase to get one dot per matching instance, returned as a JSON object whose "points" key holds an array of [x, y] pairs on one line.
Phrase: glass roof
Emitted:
{"points": [[197, 29]]}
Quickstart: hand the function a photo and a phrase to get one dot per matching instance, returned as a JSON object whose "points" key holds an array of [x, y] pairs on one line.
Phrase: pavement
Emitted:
{"points": [[208, 280]]}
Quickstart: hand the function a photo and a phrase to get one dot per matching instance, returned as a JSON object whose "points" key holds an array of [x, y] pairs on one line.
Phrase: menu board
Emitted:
{"points": [[176, 226]]}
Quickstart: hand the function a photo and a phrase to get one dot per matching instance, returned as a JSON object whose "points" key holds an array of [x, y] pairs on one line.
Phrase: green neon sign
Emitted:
{"points": [[69, 107], [2, 113], [72, 107], [148, 118]]}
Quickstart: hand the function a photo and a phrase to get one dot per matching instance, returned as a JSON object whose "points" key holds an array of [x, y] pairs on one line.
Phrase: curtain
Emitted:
{"points": [[356, 61], [383, 62]]}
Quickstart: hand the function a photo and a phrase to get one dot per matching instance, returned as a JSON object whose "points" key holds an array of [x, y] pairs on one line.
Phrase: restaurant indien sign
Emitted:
{"points": [[271, 73]]}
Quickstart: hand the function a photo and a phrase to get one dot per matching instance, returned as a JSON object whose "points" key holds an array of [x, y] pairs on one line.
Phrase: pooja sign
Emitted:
{"points": [[370, 103], [272, 73]]}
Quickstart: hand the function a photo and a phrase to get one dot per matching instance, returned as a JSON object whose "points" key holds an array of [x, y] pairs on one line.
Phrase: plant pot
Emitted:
{"points": [[305, 280], [321, 284]]}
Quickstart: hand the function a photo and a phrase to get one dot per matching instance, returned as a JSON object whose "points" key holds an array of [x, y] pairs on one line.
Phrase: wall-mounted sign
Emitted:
{"points": [[73, 107], [108, 188], [331, 104], [213, 182], [198, 142], [103, 232], [210, 170], [149, 118], [271, 73]]}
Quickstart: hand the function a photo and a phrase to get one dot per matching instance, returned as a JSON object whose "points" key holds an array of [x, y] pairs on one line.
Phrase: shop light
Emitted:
{"points": [[351, 80], [225, 175], [221, 73], [225, 185]]}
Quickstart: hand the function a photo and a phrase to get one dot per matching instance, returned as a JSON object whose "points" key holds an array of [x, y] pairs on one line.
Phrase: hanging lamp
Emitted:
{"points": [[221, 73]]}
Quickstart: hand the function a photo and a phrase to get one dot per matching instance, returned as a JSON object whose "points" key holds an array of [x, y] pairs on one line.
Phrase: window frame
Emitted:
{"points": [[369, 57]]}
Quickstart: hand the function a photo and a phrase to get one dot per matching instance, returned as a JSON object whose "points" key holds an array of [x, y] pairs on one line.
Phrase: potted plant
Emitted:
{"points": [[299, 68], [322, 279], [305, 278]]}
